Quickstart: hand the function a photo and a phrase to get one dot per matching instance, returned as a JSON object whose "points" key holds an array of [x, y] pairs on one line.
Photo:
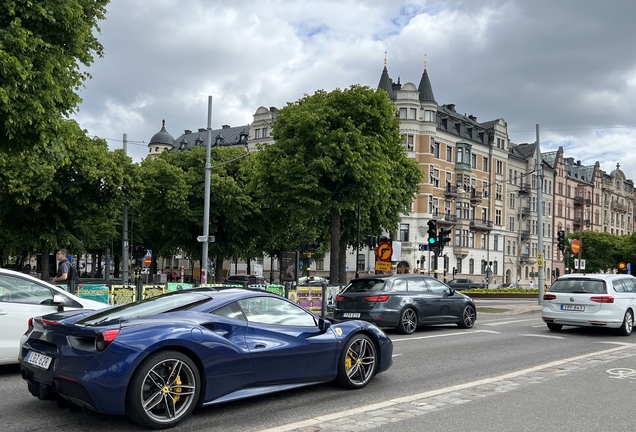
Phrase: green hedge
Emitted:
{"points": [[498, 291]]}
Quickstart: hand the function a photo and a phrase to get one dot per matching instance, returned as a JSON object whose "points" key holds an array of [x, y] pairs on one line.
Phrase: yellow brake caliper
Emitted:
{"points": [[348, 362], [177, 390]]}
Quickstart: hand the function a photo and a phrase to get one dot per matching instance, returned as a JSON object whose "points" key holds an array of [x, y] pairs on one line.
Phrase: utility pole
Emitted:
{"points": [[124, 233], [358, 246], [540, 218], [206, 200]]}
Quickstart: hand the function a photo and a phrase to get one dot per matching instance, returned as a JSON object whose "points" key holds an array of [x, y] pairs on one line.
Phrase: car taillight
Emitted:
{"points": [[49, 322], [339, 298], [547, 296], [30, 325], [105, 338], [602, 299], [377, 299]]}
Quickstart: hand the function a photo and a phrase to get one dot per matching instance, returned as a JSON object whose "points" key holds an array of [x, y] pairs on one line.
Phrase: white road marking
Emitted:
{"points": [[508, 322], [542, 336], [396, 355], [444, 335], [409, 399]]}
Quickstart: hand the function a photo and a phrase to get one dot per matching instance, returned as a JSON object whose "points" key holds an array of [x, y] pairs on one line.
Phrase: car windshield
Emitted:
{"points": [[364, 285], [582, 286], [152, 306]]}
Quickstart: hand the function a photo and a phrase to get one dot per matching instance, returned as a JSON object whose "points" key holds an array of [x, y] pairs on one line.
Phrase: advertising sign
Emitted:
{"points": [[289, 264], [149, 291], [310, 298], [123, 294], [177, 286], [98, 293]]}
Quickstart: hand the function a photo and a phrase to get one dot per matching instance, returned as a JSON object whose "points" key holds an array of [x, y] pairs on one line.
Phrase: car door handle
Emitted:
{"points": [[260, 346]]}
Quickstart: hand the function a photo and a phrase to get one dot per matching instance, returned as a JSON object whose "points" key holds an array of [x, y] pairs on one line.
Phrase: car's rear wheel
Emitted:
{"points": [[468, 317], [408, 321], [628, 324], [554, 327], [163, 390], [357, 363]]}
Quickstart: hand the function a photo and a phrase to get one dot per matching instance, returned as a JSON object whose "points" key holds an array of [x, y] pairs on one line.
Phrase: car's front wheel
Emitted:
{"points": [[468, 317], [357, 363], [408, 321], [628, 324], [163, 390]]}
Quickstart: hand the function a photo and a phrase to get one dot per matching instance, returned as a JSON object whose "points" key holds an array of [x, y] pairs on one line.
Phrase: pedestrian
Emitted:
{"points": [[531, 283], [64, 268]]}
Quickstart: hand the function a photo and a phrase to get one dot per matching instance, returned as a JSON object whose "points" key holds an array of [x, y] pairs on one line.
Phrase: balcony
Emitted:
{"points": [[580, 201], [475, 197], [461, 251], [528, 259], [480, 224], [525, 212], [451, 191], [525, 235], [445, 218], [577, 223], [525, 189], [616, 206], [462, 166]]}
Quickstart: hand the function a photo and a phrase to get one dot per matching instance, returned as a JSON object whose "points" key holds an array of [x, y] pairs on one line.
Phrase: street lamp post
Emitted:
{"points": [[206, 198]]}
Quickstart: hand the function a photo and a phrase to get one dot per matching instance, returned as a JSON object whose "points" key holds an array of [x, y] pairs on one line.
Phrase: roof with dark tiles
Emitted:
{"points": [[226, 136]]}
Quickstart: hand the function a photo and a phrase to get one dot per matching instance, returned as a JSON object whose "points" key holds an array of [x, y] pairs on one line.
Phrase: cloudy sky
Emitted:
{"points": [[567, 65]]}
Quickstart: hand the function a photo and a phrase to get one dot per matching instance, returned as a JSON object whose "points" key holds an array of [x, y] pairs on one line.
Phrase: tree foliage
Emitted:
{"points": [[333, 151]]}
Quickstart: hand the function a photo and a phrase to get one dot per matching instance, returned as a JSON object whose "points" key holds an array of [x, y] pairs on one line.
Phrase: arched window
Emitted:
{"points": [[471, 266]]}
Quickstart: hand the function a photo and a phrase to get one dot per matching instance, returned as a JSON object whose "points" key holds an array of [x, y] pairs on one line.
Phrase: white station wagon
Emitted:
{"points": [[591, 300]]}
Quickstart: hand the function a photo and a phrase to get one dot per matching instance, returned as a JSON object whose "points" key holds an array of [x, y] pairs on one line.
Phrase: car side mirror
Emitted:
{"points": [[58, 300], [323, 324], [451, 291]]}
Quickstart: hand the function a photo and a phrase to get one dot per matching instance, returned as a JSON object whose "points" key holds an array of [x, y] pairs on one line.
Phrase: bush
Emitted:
{"points": [[498, 291]]}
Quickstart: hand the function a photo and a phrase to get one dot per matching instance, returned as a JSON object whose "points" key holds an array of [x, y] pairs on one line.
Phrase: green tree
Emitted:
{"points": [[333, 151]]}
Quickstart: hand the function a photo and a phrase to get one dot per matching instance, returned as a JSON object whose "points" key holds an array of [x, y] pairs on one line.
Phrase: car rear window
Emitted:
{"points": [[364, 285], [581, 286]]}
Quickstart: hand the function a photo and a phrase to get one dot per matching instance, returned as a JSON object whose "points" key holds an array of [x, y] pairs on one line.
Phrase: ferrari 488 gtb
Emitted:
{"points": [[158, 359]]}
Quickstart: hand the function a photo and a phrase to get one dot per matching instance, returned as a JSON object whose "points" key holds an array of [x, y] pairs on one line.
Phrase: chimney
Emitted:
{"points": [[451, 107], [225, 126], [273, 109], [187, 131], [472, 117], [202, 130], [578, 162]]}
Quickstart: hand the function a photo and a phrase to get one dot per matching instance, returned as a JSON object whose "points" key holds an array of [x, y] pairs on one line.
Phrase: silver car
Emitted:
{"points": [[591, 300]]}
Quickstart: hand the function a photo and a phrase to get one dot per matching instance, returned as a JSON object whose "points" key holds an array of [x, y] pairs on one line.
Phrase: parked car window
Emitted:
{"points": [[630, 285], [399, 285], [437, 287], [269, 310], [618, 286], [365, 285], [418, 285], [232, 310], [16, 290]]}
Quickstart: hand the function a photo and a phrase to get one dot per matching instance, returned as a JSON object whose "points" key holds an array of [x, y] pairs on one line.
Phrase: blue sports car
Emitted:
{"points": [[156, 360]]}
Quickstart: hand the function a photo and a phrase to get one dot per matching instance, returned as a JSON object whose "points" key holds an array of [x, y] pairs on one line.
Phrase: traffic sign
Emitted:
{"points": [[383, 266], [147, 261], [576, 246], [201, 239], [622, 266], [384, 251], [540, 259], [148, 253]]}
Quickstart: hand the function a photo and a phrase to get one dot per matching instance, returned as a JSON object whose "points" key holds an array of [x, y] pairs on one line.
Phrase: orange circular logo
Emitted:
{"points": [[622, 265], [576, 246]]}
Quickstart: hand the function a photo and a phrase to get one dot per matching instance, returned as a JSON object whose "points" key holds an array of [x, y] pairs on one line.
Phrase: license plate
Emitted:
{"points": [[351, 315], [572, 307], [39, 360]]}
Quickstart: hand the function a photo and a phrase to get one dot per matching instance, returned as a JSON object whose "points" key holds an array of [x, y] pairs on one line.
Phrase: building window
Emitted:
{"points": [[257, 133], [429, 116], [412, 113], [499, 194], [485, 164], [495, 266], [498, 217], [495, 242], [320, 264], [484, 244], [434, 176], [404, 232], [435, 149], [403, 113], [471, 239], [512, 200], [511, 225], [458, 239], [500, 167], [473, 161], [265, 132], [449, 153], [459, 265], [471, 266]]}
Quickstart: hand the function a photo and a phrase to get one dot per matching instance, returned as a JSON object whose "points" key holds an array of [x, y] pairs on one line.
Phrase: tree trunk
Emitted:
{"points": [[218, 270], [44, 251], [342, 268], [334, 261]]}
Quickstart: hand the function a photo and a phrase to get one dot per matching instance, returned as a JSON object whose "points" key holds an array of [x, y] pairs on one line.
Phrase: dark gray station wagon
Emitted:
{"points": [[405, 302]]}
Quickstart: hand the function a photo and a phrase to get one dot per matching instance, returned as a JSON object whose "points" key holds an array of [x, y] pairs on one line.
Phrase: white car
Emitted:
{"points": [[23, 297], [591, 300]]}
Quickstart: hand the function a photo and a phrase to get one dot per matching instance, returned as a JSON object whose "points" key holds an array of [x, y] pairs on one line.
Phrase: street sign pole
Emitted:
{"points": [[206, 200]]}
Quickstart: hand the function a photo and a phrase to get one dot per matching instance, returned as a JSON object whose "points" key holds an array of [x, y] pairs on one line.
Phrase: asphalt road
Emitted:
{"points": [[507, 373]]}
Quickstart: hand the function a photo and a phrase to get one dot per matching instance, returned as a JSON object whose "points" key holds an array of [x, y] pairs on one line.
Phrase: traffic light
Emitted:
{"points": [[444, 237], [313, 247], [561, 240], [371, 241], [432, 234]]}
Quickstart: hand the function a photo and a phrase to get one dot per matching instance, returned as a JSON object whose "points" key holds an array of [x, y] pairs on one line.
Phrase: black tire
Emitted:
{"points": [[357, 363], [628, 324], [468, 318], [408, 321], [157, 396], [554, 327]]}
